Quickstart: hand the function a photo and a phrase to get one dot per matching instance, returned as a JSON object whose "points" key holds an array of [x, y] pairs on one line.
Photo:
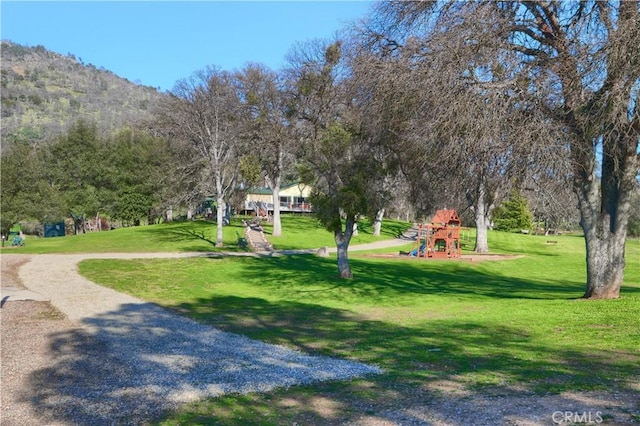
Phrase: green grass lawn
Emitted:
{"points": [[300, 232], [493, 326], [197, 236]]}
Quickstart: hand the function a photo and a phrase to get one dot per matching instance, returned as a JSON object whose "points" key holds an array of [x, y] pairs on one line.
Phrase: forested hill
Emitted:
{"points": [[44, 92]]}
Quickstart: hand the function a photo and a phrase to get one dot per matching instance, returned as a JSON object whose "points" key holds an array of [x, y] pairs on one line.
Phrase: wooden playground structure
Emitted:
{"points": [[439, 239]]}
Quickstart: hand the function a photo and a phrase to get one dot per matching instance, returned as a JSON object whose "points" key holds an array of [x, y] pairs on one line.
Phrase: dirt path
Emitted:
{"points": [[95, 356]]}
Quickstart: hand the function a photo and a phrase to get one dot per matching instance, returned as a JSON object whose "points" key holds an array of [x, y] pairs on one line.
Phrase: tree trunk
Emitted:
{"points": [[604, 206], [277, 225], [606, 160], [482, 244], [605, 266], [605, 255], [482, 209], [342, 244], [219, 221], [377, 223]]}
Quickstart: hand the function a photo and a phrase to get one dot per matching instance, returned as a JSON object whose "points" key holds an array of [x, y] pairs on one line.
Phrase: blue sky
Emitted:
{"points": [[157, 43]]}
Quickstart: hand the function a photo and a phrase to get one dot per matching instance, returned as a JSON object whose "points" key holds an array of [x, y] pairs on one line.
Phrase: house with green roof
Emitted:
{"points": [[293, 198]]}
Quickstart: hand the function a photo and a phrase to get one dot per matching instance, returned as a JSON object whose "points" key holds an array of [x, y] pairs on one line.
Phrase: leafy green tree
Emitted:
{"points": [[139, 164], [251, 169], [82, 173], [132, 206], [314, 76], [339, 184], [79, 169], [23, 194], [513, 214], [337, 157]]}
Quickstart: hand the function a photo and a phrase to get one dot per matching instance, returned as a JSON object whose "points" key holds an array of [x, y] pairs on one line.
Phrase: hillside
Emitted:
{"points": [[42, 92]]}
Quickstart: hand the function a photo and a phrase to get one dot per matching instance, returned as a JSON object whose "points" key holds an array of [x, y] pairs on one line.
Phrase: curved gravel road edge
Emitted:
{"points": [[129, 360]]}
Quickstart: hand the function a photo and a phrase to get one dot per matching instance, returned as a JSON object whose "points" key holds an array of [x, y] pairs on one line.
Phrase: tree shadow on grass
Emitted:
{"points": [[110, 375], [465, 354], [130, 366], [193, 236], [381, 282]]}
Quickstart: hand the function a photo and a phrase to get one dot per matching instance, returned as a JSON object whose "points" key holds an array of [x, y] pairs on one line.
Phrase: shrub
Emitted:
{"points": [[513, 214]]}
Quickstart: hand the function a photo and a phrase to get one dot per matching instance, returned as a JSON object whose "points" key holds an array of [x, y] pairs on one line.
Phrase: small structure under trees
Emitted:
{"points": [[439, 239]]}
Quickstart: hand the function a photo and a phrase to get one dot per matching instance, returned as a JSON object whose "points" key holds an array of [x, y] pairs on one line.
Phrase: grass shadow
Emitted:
{"points": [[417, 359], [134, 364], [192, 234], [381, 281], [195, 236]]}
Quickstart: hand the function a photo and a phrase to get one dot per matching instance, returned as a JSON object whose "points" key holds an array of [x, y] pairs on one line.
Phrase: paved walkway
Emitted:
{"points": [[257, 240]]}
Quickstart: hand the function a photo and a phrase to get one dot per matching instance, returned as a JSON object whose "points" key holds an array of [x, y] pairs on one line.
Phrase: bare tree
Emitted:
{"points": [[471, 128], [268, 128], [553, 202], [385, 106], [203, 112], [581, 60], [586, 55]]}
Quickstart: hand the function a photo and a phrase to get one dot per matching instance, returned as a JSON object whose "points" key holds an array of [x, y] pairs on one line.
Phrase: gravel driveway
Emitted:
{"points": [[106, 357]]}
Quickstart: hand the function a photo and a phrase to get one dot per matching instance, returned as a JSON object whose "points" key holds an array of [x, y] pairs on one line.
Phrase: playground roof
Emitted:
{"points": [[449, 217]]}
